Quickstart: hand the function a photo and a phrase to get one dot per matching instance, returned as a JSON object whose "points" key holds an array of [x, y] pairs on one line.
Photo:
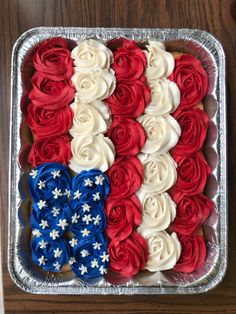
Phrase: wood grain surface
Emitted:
{"points": [[215, 16]]}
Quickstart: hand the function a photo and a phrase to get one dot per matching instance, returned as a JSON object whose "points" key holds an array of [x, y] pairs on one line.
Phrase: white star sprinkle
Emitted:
{"points": [[97, 220], [104, 257], [44, 224], [43, 244], [41, 184], [54, 234], [56, 173], [87, 219], [42, 260], [99, 180], [86, 208], [42, 204], [68, 193], [36, 233], [77, 194], [102, 270], [97, 246], [57, 253], [75, 218], [55, 211], [85, 232], [73, 242], [83, 269], [96, 196], [56, 193], [57, 266], [84, 253], [88, 182], [62, 223], [33, 173], [94, 263], [72, 260]]}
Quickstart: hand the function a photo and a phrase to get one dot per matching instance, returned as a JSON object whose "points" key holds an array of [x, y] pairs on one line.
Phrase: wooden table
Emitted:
{"points": [[215, 16]]}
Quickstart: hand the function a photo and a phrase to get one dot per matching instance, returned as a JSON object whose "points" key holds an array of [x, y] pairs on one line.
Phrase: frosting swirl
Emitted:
{"points": [[51, 221], [164, 250], [89, 119], [93, 85], [50, 255], [87, 218], [123, 216], [160, 62], [90, 183], [165, 97], [159, 172], [91, 54], [90, 152], [90, 257], [162, 133], [52, 59], [158, 211], [49, 184]]}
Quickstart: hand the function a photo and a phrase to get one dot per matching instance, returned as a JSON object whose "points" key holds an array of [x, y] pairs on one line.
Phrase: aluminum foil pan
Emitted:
{"points": [[26, 275]]}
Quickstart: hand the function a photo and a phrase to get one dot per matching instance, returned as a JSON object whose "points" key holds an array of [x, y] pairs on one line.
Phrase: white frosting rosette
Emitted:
{"points": [[92, 151], [165, 97], [158, 211], [91, 54], [162, 132], [160, 63], [89, 119], [159, 172], [164, 250], [93, 84]]}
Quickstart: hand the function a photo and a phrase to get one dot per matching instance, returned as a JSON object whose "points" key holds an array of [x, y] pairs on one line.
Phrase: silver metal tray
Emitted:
{"points": [[23, 272]]}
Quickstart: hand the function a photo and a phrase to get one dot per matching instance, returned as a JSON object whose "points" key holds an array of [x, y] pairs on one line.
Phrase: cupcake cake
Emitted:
{"points": [[114, 156]]}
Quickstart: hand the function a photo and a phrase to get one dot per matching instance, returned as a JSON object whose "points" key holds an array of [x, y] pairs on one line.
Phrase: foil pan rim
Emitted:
{"points": [[174, 34]]}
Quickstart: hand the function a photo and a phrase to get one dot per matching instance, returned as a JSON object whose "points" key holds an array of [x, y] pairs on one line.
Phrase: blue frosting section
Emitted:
{"points": [[50, 255], [60, 204]]}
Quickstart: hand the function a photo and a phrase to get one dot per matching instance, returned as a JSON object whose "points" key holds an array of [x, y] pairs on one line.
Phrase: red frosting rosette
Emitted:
{"points": [[193, 254], [56, 149], [53, 60], [127, 135], [46, 123], [129, 61], [128, 257], [123, 216], [191, 213], [194, 125], [191, 79], [50, 94], [125, 176], [129, 98], [192, 174]]}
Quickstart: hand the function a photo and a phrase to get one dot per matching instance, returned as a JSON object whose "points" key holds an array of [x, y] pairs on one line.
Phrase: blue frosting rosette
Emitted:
{"points": [[50, 183], [90, 185], [52, 220], [87, 218], [50, 255], [90, 257]]}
